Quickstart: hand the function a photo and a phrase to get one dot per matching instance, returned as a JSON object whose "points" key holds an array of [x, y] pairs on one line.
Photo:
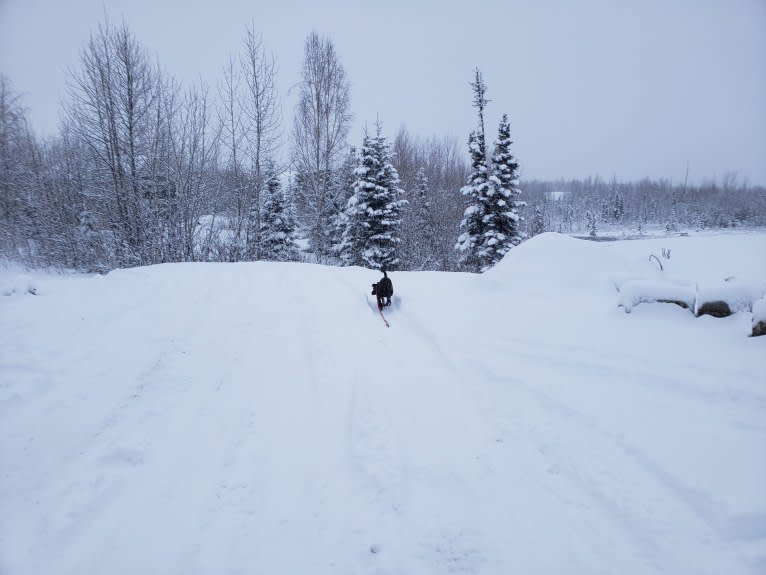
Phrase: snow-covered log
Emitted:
{"points": [[634, 292]]}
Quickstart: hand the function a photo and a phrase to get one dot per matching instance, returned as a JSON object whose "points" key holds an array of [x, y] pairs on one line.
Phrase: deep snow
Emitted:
{"points": [[260, 418]]}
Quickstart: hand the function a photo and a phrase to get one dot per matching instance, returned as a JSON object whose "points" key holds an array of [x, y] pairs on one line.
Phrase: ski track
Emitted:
{"points": [[340, 457]]}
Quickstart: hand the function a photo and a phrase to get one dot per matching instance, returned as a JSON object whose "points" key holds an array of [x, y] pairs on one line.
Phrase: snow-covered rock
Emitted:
{"points": [[759, 317], [732, 295]]}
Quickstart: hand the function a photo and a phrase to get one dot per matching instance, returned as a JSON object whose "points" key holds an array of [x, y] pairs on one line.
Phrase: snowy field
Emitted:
{"points": [[260, 418]]}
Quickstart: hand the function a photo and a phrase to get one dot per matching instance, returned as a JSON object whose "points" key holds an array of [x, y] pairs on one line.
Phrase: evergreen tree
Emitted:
{"points": [[477, 189], [491, 221], [373, 213], [502, 217], [590, 217], [425, 239], [672, 224], [538, 223], [343, 188], [278, 230], [618, 208], [354, 217], [253, 239], [90, 243], [604, 211]]}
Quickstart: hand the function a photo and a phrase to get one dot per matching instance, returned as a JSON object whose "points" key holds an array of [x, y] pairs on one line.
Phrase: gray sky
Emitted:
{"points": [[630, 88]]}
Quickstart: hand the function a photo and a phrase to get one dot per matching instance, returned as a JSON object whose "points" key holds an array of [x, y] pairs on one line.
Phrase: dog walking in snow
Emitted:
{"points": [[383, 290]]}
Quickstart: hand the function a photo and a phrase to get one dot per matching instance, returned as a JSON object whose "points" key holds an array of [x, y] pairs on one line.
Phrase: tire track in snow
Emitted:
{"points": [[443, 454], [375, 451], [630, 514], [142, 426], [588, 483], [232, 497], [634, 373], [398, 456]]}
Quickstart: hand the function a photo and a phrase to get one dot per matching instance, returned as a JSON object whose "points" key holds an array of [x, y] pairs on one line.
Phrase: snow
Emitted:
{"points": [[759, 311], [260, 418], [18, 285], [737, 294], [15, 281], [738, 280], [634, 292]]}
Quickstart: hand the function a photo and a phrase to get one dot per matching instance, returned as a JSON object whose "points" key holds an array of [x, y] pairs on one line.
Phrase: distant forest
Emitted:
{"points": [[144, 170]]}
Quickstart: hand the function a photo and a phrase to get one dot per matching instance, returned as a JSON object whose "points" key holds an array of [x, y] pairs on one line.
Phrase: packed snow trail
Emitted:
{"points": [[238, 418]]}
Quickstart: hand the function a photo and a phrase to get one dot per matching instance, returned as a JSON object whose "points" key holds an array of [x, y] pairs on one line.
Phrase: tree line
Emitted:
{"points": [[598, 207], [144, 170]]}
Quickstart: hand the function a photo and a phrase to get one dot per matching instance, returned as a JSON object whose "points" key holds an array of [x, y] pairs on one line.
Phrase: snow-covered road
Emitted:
{"points": [[260, 418]]}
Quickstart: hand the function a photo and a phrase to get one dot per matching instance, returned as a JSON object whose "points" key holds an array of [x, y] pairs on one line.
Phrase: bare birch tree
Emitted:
{"points": [[260, 110], [232, 141], [193, 155], [15, 145], [114, 110], [320, 128]]}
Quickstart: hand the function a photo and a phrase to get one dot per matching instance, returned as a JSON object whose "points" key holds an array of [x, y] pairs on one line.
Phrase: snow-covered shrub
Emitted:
{"points": [[636, 291], [759, 317]]}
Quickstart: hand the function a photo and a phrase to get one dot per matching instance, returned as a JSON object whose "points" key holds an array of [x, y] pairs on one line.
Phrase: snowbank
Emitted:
{"points": [[547, 263]]}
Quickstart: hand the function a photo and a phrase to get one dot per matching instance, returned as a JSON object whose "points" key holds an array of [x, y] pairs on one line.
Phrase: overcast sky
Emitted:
{"points": [[630, 88]]}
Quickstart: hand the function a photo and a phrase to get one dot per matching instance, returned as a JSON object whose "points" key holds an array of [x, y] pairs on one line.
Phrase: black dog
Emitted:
{"points": [[384, 289]]}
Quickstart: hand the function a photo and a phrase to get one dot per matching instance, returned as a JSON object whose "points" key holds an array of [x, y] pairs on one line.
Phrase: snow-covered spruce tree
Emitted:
{"points": [[343, 188], [590, 218], [278, 230], [618, 207], [352, 244], [538, 222], [478, 188], [491, 221], [502, 209], [354, 217], [672, 224], [425, 239], [253, 225], [373, 213]]}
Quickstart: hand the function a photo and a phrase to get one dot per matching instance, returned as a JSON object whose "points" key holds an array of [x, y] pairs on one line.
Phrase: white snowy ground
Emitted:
{"points": [[260, 418]]}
